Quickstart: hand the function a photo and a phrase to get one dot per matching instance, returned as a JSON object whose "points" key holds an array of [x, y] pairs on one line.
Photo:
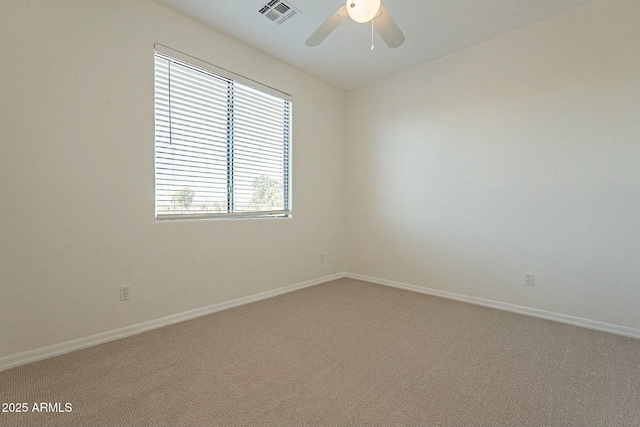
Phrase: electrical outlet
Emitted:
{"points": [[528, 279], [321, 257], [125, 292]]}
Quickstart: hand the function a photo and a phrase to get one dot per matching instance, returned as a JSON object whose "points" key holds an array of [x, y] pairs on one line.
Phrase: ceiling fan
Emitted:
{"points": [[361, 11]]}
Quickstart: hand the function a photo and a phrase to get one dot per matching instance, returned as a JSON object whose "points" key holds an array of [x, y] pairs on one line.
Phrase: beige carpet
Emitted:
{"points": [[344, 353]]}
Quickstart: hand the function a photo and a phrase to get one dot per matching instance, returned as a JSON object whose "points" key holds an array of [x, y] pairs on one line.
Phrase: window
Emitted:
{"points": [[222, 143]]}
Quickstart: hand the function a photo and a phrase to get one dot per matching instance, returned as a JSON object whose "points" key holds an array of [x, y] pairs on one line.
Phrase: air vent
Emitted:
{"points": [[278, 11]]}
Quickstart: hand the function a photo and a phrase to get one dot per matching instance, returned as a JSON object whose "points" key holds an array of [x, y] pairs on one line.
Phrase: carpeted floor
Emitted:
{"points": [[344, 353]]}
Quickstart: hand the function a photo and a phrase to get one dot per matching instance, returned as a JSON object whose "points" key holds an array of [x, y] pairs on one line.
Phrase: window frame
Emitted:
{"points": [[287, 211]]}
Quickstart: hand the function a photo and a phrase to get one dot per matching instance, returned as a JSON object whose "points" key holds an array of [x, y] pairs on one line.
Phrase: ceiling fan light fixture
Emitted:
{"points": [[363, 10]]}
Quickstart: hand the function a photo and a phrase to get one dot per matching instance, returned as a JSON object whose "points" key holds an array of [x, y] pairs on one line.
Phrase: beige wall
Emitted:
{"points": [[518, 155], [76, 174]]}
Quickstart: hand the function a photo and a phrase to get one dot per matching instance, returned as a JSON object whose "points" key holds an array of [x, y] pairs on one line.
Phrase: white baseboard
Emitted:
{"points": [[562, 318], [12, 361]]}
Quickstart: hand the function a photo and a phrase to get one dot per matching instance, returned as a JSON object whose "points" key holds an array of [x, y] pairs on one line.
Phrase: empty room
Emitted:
{"points": [[320, 213]]}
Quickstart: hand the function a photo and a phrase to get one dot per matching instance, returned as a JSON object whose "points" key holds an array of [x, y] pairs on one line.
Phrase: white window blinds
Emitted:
{"points": [[222, 147]]}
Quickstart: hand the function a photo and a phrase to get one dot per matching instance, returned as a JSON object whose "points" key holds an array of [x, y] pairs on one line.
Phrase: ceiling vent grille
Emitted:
{"points": [[278, 11]]}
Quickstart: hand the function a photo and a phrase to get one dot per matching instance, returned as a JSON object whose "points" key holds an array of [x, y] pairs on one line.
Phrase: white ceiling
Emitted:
{"points": [[433, 29]]}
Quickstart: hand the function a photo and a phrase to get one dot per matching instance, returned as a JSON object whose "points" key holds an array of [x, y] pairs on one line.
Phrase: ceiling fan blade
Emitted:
{"points": [[325, 29], [387, 28]]}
